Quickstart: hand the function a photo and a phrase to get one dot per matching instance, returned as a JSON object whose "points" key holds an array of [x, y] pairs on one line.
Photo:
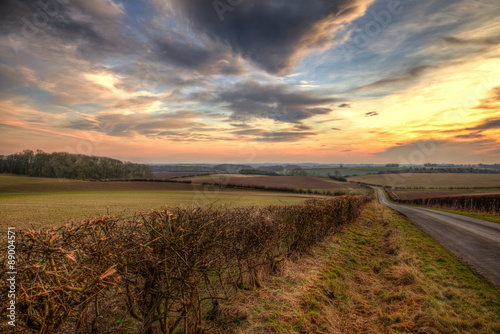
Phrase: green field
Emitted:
{"points": [[348, 171], [27, 201], [431, 180]]}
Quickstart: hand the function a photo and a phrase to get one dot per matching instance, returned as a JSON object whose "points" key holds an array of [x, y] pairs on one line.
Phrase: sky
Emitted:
{"points": [[253, 81]]}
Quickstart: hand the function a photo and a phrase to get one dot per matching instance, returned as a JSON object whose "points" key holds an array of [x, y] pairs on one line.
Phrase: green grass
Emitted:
{"points": [[26, 201], [479, 215]]}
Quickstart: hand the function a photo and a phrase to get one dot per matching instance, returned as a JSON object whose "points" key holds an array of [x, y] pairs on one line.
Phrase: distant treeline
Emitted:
{"points": [[70, 166]]}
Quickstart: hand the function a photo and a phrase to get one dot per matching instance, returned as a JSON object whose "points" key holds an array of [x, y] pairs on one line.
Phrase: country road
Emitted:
{"points": [[475, 241]]}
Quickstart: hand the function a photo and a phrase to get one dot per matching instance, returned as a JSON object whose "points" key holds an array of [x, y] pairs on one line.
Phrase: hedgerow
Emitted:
{"points": [[160, 271]]}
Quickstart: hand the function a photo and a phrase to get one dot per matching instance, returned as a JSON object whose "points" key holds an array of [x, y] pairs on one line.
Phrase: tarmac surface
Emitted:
{"points": [[475, 241]]}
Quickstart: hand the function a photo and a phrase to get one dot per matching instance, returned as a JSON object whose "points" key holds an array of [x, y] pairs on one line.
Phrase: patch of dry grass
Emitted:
{"points": [[379, 275]]}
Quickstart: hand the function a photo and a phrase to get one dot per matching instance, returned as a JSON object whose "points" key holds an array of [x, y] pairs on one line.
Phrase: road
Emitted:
{"points": [[475, 241]]}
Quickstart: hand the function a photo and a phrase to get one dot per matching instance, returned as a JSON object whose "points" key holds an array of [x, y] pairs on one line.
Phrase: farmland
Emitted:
{"points": [[349, 171], [410, 194], [44, 201], [432, 181], [291, 182]]}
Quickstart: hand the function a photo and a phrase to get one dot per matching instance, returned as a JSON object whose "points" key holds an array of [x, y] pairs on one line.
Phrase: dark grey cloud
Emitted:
{"points": [[491, 101], [489, 124], [283, 136], [344, 105], [252, 100], [272, 34], [209, 59], [262, 135], [470, 136], [94, 27], [411, 74], [472, 41], [336, 129], [240, 125], [185, 122], [81, 124], [371, 114]]}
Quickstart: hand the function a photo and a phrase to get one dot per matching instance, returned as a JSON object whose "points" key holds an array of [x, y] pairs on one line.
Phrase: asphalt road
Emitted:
{"points": [[475, 241]]}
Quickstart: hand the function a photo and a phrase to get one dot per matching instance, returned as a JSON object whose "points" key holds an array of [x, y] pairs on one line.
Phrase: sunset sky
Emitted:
{"points": [[251, 81]]}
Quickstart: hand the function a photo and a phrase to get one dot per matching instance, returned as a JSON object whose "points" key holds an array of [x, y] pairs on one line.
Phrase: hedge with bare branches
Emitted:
{"points": [[161, 271]]}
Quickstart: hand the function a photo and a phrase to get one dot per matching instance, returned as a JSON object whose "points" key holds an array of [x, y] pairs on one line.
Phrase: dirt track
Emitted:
{"points": [[475, 241]]}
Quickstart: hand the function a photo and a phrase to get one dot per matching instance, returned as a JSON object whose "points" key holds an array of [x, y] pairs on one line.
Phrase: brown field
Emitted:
{"points": [[26, 184], [294, 182], [171, 175], [428, 180], [410, 194]]}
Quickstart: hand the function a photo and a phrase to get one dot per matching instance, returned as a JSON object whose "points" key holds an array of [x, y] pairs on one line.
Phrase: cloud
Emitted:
{"points": [[371, 114], [344, 105], [252, 100], [472, 41], [208, 59], [137, 102], [488, 124], [293, 134], [336, 129], [470, 136], [443, 150], [132, 125], [413, 73], [492, 101], [275, 35], [94, 26]]}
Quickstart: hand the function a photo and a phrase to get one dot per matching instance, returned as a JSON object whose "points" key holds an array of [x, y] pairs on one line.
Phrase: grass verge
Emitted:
{"points": [[479, 215], [379, 275]]}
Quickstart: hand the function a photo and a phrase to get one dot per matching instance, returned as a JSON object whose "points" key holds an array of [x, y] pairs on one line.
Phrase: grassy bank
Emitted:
{"points": [[379, 275]]}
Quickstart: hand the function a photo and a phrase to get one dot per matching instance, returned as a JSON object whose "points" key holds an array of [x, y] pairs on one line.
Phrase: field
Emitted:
{"points": [[410, 194], [26, 201], [431, 180], [292, 182], [170, 175], [348, 171]]}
